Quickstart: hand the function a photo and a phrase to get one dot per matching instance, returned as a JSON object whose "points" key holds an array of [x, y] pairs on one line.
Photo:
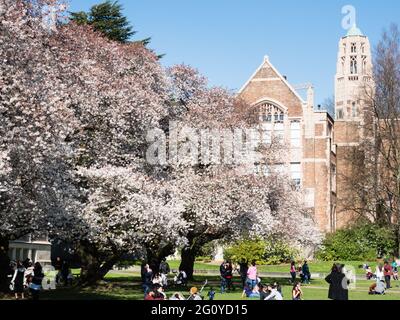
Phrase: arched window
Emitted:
{"points": [[353, 65], [272, 119]]}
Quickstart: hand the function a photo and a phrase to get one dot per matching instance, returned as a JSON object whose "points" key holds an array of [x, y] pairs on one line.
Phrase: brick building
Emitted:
{"points": [[317, 142]]}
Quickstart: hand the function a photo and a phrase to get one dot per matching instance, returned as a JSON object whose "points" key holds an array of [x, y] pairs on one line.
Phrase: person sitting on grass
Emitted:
{"points": [[368, 273], [274, 293], [263, 291], [278, 287], [377, 288], [251, 293], [395, 271], [157, 293], [211, 294], [181, 278], [297, 293], [194, 294]]}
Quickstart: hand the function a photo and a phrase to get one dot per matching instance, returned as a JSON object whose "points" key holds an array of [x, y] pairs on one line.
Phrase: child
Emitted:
{"points": [[211, 294]]}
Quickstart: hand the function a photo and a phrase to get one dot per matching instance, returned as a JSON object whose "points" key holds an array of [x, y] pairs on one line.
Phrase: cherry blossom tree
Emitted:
{"points": [[223, 200]]}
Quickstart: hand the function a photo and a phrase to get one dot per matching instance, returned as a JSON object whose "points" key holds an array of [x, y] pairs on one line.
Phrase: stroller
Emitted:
{"points": [[180, 279]]}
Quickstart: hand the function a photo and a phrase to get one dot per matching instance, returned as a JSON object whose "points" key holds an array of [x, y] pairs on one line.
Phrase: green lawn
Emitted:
{"points": [[315, 266], [127, 287]]}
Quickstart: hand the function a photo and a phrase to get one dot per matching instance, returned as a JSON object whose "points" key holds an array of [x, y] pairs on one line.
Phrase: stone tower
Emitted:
{"points": [[353, 76]]}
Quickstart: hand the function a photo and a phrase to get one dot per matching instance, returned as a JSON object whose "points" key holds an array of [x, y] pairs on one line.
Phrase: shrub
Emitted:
{"points": [[270, 251], [365, 241]]}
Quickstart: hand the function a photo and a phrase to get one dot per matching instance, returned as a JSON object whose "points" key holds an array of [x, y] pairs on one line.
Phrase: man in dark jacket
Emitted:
{"points": [[338, 284], [306, 272]]}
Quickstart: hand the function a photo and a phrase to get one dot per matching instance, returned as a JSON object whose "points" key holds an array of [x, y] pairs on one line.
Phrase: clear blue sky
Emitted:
{"points": [[227, 39]]}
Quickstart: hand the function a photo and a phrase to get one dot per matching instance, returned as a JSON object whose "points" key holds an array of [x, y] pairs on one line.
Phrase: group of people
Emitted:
{"points": [[64, 272], [383, 275], [157, 292], [26, 277], [302, 270], [155, 283]]}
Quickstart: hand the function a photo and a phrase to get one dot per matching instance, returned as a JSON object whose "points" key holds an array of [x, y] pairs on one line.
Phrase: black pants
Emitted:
{"points": [[387, 280], [293, 274]]}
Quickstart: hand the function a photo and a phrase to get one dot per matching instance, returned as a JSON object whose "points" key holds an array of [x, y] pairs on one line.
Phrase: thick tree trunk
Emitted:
{"points": [[154, 257], [94, 267], [95, 271], [4, 264], [188, 257]]}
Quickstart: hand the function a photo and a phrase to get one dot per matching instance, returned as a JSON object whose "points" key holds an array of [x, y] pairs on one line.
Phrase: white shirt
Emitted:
{"points": [[274, 295]]}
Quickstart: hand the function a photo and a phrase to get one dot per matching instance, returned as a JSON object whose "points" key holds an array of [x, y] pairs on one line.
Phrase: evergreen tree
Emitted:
{"points": [[108, 19]]}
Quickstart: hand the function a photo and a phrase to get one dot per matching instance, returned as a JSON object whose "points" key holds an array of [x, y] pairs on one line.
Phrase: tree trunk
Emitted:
{"points": [[154, 257], [188, 257], [94, 267], [4, 264]]}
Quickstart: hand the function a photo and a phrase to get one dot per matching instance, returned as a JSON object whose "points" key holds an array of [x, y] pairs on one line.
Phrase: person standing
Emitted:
{"points": [[57, 266], [147, 278], [252, 275], [65, 272], [387, 272], [36, 282], [18, 281], [379, 273], [243, 268], [223, 272], [306, 272], [293, 272], [338, 283], [229, 276]]}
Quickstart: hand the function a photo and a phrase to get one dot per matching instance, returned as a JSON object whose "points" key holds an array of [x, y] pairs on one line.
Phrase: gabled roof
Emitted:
{"points": [[267, 62]]}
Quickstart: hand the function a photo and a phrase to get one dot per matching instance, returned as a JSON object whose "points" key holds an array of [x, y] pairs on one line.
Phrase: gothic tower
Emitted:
{"points": [[354, 73]]}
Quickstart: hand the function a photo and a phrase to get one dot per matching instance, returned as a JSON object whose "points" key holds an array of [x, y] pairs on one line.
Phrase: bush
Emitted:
{"points": [[360, 242], [207, 252], [270, 251]]}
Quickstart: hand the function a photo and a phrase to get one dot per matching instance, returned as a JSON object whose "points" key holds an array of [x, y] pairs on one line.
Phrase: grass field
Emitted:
{"points": [[315, 266], [121, 286], [125, 285]]}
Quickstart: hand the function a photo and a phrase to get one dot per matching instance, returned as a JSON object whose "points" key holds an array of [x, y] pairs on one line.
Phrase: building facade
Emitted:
{"points": [[37, 248], [317, 142]]}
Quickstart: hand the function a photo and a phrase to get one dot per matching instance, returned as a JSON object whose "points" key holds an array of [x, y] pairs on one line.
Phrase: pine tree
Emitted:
{"points": [[108, 19]]}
